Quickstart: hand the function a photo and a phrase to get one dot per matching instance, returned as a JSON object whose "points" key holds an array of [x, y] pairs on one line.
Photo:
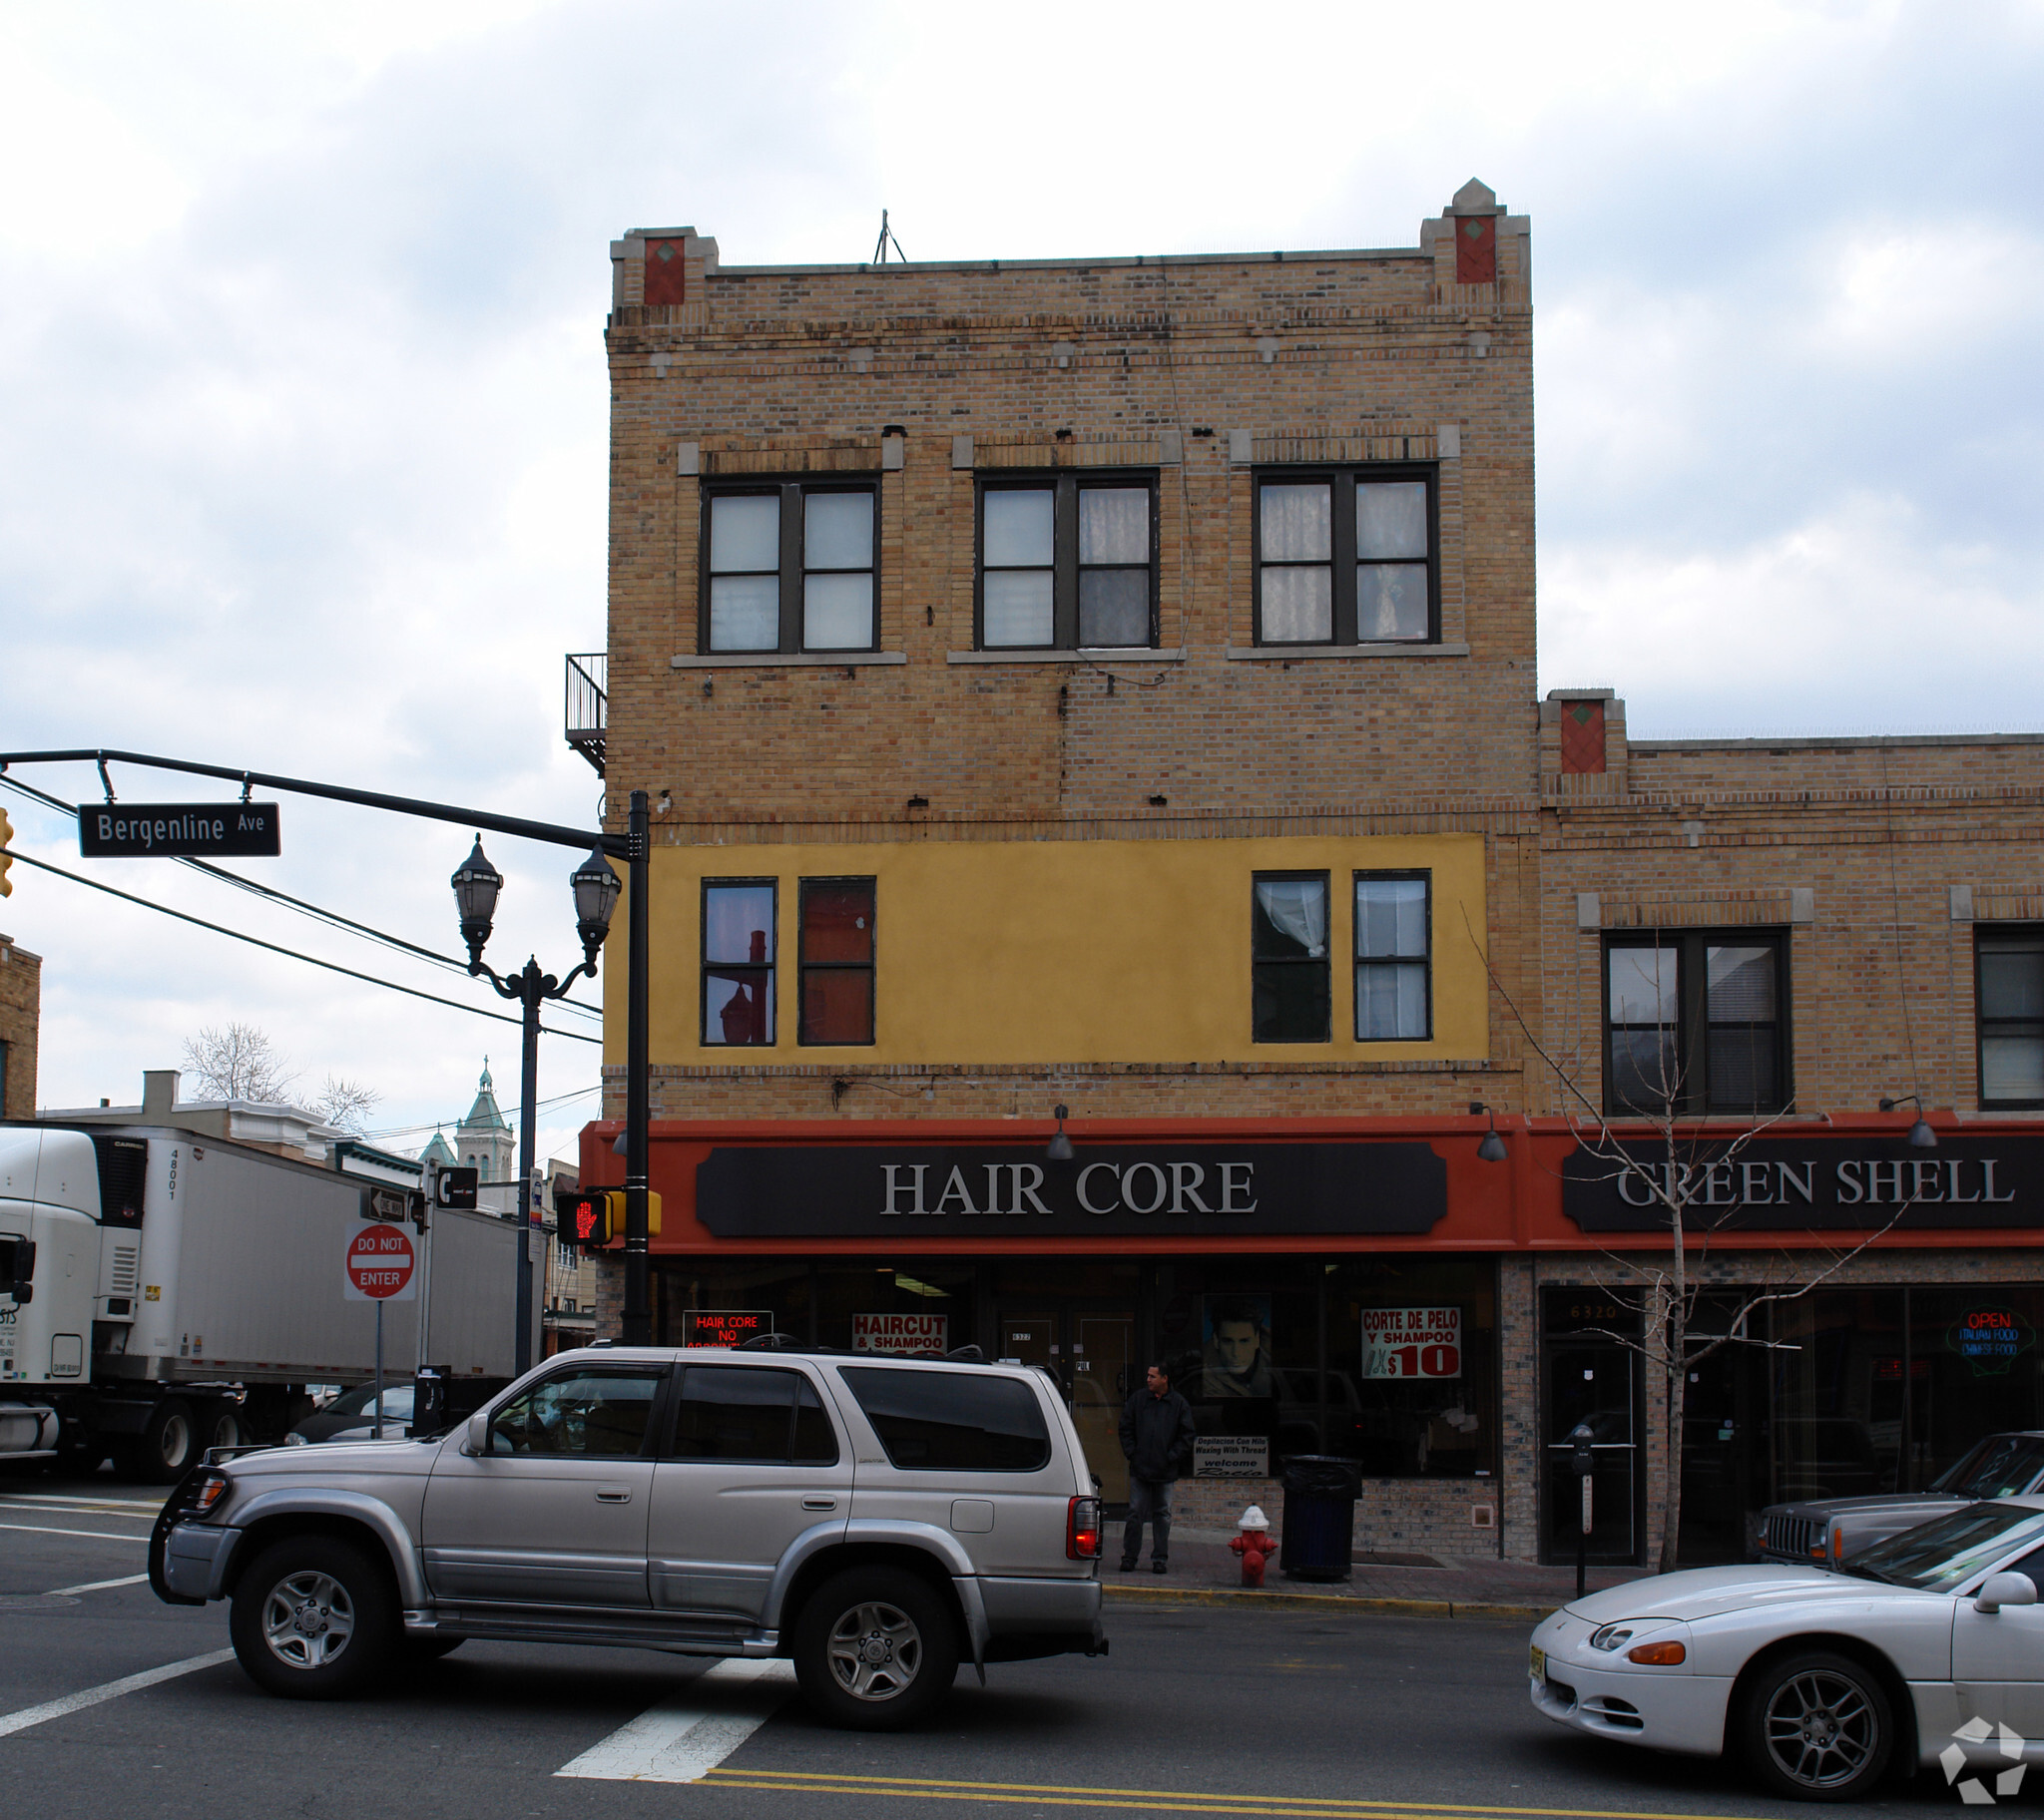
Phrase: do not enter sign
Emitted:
{"points": [[380, 1265]]}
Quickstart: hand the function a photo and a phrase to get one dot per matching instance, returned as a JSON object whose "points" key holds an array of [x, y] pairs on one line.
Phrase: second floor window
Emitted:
{"points": [[789, 567], [1393, 1003], [1346, 556], [738, 962], [1066, 563], [1291, 999], [836, 960], [1695, 1022], [2010, 998]]}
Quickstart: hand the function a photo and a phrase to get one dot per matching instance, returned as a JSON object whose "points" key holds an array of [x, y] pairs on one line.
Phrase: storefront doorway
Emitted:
{"points": [[1591, 1377], [1724, 1445], [1091, 1352]]}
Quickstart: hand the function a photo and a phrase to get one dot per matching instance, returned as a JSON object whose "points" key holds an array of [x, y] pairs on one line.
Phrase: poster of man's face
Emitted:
{"points": [[1236, 1347]]}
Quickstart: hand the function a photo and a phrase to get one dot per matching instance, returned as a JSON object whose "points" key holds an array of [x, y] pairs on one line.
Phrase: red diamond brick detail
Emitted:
{"points": [[1582, 737]]}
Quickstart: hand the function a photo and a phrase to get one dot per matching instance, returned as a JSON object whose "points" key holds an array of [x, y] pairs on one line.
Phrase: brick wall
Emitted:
{"points": [[21, 994]]}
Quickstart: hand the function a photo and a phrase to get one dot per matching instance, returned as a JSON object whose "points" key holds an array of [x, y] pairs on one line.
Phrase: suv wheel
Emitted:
{"points": [[1816, 1728], [313, 1618], [876, 1648]]}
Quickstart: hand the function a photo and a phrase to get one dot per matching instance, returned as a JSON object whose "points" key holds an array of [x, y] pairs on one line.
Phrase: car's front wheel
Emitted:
{"points": [[1816, 1727], [313, 1618], [876, 1648]]}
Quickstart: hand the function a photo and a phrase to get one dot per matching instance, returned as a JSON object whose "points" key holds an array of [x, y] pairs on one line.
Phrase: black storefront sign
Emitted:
{"points": [[172, 830], [908, 1194], [1788, 1185]]}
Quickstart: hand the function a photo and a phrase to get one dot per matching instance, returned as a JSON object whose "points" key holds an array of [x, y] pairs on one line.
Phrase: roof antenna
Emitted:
{"points": [[885, 240]]}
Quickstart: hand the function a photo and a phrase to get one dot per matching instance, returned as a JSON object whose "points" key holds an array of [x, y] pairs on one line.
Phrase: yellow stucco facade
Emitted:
{"points": [[1064, 951]]}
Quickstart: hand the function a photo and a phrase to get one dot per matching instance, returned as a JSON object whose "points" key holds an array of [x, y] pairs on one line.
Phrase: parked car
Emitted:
{"points": [[352, 1416], [1830, 1529], [1819, 1681], [877, 1519]]}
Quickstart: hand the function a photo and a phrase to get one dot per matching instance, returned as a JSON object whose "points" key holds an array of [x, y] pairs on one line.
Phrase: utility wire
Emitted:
{"points": [[255, 941], [509, 1112], [331, 917]]}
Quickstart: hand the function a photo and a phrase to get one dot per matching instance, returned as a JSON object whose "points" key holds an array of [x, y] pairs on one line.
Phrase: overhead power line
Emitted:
{"points": [[332, 918], [312, 959]]}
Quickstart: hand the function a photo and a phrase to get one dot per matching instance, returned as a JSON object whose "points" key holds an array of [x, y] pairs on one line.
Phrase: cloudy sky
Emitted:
{"points": [[302, 397]]}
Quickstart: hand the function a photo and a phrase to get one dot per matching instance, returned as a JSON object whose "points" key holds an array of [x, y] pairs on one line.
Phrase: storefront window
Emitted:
{"points": [[1838, 1402], [1973, 1358], [777, 1287], [1412, 1365], [898, 1308]]}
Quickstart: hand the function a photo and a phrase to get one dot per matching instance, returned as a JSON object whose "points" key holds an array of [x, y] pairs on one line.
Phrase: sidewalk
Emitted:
{"points": [[1205, 1571]]}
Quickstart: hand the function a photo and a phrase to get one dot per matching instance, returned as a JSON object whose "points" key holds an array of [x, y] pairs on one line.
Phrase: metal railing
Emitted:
{"points": [[586, 711]]}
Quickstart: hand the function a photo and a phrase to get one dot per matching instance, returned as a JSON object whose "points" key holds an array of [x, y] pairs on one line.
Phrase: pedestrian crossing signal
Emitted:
{"points": [[592, 1218]]}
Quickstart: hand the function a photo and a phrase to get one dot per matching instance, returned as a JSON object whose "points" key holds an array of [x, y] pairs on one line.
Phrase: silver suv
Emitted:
{"points": [[877, 1519]]}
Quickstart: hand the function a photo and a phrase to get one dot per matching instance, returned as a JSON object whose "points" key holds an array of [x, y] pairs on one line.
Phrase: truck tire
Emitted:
{"points": [[219, 1426], [166, 1446], [876, 1648], [315, 1619]]}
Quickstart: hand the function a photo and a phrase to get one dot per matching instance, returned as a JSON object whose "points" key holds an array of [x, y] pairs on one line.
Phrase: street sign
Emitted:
{"points": [[173, 830], [456, 1187], [394, 1204], [380, 1266]]}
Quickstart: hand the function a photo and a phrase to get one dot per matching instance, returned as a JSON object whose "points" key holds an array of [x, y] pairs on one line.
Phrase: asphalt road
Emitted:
{"points": [[1198, 1710]]}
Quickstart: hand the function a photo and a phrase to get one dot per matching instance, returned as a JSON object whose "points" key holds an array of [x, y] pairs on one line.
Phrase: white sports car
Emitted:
{"points": [[1926, 1649]]}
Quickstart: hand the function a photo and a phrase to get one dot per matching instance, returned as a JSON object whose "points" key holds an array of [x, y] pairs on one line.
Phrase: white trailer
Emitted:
{"points": [[162, 1291]]}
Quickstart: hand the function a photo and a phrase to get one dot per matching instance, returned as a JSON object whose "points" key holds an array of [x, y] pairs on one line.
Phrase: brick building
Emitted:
{"points": [[21, 1011], [1109, 685]]}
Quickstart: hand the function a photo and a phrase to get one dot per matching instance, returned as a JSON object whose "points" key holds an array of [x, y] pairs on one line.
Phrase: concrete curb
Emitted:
{"points": [[1326, 1602]]}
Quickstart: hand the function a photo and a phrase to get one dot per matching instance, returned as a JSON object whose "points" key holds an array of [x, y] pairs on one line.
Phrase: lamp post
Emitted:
{"points": [[476, 884]]}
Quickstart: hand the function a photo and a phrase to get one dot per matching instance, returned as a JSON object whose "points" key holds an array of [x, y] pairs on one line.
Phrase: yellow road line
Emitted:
{"points": [[1180, 1800]]}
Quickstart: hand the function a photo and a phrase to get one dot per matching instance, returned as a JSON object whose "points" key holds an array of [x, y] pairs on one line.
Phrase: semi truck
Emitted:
{"points": [[163, 1292]]}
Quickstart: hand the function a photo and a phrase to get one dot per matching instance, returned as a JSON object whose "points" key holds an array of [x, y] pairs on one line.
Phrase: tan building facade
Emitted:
{"points": [[1110, 685], [21, 1011]]}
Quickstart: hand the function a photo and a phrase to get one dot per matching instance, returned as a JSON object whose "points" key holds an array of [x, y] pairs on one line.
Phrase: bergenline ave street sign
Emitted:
{"points": [[177, 830]]}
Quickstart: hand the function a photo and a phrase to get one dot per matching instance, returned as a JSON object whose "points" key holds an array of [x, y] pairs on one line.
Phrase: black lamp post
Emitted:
{"points": [[476, 885]]}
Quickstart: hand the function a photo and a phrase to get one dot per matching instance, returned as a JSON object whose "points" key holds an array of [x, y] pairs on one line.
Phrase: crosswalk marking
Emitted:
{"points": [[99, 1586], [109, 1690], [44, 1528], [687, 1735]]}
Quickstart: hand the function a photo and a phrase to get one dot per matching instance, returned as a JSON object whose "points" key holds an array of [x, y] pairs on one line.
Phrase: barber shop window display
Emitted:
{"points": [[1412, 1366]]}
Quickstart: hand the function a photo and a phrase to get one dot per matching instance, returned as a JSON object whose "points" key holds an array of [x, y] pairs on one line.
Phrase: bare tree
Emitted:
{"points": [[1666, 1287], [236, 1061], [345, 1105]]}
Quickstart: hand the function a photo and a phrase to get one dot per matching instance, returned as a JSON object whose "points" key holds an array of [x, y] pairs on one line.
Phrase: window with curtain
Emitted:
{"points": [[1394, 987], [1290, 993], [1346, 556], [1066, 563], [789, 565], [1696, 1022], [2009, 1004], [837, 961], [738, 962]]}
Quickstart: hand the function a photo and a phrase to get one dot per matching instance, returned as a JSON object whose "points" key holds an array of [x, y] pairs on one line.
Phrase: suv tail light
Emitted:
{"points": [[1082, 1529]]}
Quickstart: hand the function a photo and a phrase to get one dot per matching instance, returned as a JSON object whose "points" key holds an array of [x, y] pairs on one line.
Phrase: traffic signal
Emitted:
{"points": [[589, 1221], [6, 858], [595, 1217]]}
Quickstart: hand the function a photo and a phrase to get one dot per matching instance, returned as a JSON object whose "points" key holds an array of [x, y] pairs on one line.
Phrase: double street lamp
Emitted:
{"points": [[476, 885]]}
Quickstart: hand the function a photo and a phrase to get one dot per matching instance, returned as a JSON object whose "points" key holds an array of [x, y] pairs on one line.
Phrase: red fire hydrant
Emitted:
{"points": [[1253, 1545]]}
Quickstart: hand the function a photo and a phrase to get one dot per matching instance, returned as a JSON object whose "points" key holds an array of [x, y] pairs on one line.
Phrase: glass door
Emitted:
{"points": [[1591, 1379], [1103, 1365]]}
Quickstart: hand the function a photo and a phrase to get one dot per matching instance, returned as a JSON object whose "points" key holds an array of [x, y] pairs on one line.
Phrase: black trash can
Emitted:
{"points": [[1319, 1542]]}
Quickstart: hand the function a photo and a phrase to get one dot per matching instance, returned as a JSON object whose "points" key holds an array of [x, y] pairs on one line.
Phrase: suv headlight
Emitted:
{"points": [[294, 1439]]}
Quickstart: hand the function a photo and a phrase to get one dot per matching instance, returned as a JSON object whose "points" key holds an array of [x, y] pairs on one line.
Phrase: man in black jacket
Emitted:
{"points": [[1157, 1436]]}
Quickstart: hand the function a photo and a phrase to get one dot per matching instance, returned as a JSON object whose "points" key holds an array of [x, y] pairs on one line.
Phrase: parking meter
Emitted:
{"points": [[1583, 1464]]}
